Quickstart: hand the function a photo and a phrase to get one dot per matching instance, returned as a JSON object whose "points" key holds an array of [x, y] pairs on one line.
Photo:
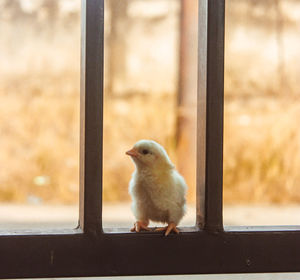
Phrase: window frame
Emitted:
{"points": [[206, 248]]}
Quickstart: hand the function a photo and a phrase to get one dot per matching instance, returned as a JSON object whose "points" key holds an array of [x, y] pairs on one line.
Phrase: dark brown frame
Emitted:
{"points": [[206, 248]]}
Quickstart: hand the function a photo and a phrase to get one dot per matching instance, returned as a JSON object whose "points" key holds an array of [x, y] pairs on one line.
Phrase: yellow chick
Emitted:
{"points": [[157, 189]]}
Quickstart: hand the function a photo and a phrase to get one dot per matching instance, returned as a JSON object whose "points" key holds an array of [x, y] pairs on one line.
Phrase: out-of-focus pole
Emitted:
{"points": [[187, 95], [117, 46]]}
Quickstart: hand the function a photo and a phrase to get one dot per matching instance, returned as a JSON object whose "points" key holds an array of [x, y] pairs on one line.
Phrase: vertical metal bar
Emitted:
{"points": [[211, 84], [214, 115], [82, 115], [201, 112], [91, 115]]}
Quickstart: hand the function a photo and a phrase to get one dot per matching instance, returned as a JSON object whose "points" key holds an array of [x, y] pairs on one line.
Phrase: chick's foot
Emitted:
{"points": [[139, 225], [170, 227]]}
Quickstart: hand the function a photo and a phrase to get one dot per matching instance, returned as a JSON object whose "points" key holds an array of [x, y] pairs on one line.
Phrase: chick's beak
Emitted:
{"points": [[133, 152]]}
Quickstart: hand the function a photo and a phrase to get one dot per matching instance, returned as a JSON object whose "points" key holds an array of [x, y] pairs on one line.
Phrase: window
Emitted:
{"points": [[207, 248]]}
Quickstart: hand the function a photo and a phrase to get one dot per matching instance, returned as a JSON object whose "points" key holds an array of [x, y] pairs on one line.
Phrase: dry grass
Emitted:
{"points": [[262, 151], [39, 138], [40, 129]]}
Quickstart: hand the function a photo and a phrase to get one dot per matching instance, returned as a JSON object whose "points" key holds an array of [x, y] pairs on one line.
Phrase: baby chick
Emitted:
{"points": [[157, 189]]}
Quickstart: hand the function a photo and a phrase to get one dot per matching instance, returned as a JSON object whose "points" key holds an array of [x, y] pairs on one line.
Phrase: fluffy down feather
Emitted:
{"points": [[157, 189]]}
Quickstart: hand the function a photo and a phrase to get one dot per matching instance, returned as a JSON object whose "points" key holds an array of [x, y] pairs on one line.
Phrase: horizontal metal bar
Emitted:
{"points": [[127, 230], [253, 229], [77, 255], [41, 232]]}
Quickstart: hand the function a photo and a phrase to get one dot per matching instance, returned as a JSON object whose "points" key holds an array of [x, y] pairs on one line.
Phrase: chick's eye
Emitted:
{"points": [[145, 152]]}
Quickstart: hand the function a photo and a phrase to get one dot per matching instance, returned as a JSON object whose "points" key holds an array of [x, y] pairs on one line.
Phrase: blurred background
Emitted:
{"points": [[39, 112], [149, 92]]}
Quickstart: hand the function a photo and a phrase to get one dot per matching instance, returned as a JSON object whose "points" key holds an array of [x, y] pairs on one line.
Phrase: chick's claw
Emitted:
{"points": [[170, 227], [138, 226]]}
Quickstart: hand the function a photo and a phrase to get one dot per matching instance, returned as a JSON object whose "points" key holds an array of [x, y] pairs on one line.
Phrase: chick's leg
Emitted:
{"points": [[170, 227], [140, 225]]}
